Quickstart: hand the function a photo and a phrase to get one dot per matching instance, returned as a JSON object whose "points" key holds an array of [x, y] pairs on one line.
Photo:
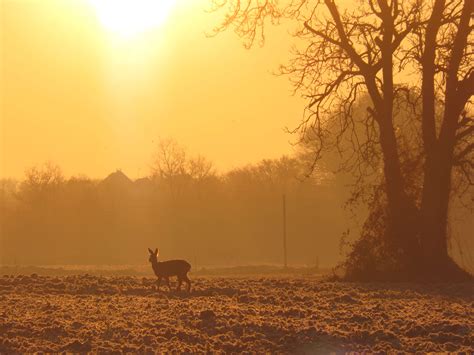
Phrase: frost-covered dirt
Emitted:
{"points": [[277, 314]]}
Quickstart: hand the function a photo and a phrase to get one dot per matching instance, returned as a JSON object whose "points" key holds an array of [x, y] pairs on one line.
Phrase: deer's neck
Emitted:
{"points": [[154, 265]]}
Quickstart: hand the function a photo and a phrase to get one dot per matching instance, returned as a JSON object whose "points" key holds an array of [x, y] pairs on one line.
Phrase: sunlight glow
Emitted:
{"points": [[129, 18]]}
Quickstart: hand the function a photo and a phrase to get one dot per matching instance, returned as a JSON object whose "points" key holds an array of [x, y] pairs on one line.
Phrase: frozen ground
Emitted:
{"points": [[81, 313]]}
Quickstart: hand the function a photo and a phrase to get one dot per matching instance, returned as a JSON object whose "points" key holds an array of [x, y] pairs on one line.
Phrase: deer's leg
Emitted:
{"points": [[168, 283], [158, 282], [180, 281], [188, 281]]}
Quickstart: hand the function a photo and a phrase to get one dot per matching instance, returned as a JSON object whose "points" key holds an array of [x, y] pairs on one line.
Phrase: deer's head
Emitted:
{"points": [[153, 255]]}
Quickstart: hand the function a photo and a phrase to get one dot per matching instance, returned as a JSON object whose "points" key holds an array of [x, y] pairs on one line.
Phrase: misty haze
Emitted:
{"points": [[236, 176]]}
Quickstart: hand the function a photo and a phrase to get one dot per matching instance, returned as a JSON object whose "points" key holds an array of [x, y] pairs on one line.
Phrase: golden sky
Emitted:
{"points": [[93, 99]]}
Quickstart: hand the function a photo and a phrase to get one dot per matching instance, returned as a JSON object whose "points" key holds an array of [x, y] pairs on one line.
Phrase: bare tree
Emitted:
{"points": [[173, 166], [200, 168], [41, 180], [170, 159], [383, 50]]}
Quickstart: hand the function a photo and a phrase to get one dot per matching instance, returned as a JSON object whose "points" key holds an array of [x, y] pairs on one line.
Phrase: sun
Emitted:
{"points": [[129, 18]]}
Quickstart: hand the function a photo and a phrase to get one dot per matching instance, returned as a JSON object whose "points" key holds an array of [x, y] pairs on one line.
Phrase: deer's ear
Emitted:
{"points": [[156, 251], [151, 251]]}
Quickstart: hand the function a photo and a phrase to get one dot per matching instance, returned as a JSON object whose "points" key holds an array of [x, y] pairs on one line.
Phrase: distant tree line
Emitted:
{"points": [[184, 207]]}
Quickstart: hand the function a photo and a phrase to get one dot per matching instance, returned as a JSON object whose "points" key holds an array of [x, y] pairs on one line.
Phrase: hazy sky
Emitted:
{"points": [[92, 100]]}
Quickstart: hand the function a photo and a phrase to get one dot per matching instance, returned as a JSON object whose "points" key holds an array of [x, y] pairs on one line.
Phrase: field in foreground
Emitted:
{"points": [[81, 313]]}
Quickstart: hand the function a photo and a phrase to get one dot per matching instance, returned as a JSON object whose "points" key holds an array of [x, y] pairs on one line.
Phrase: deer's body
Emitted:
{"points": [[166, 269]]}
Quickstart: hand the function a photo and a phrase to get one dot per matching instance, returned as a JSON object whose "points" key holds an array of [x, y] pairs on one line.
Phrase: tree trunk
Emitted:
{"points": [[434, 211], [435, 261], [440, 152], [402, 228]]}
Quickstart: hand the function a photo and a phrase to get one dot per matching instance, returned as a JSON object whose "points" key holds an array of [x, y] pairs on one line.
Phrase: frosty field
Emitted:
{"points": [[82, 313]]}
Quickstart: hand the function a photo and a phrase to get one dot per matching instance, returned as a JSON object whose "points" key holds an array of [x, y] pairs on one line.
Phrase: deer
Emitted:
{"points": [[165, 269]]}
